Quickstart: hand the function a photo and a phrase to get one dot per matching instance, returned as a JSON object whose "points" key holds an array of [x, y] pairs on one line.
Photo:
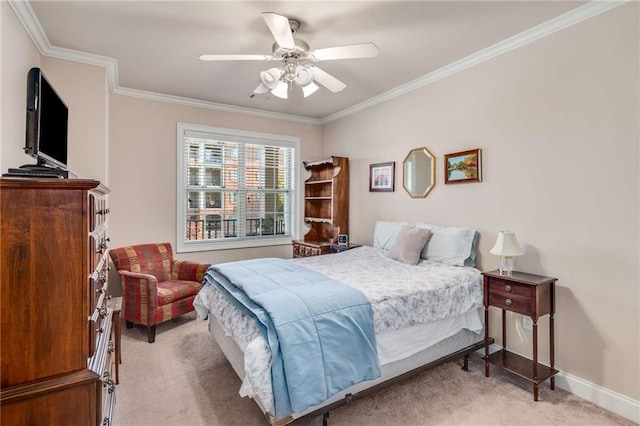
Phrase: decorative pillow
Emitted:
{"points": [[451, 245], [385, 233], [409, 244]]}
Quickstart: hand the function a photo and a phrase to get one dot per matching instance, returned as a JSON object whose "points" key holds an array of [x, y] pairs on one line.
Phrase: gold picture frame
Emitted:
{"points": [[463, 166]]}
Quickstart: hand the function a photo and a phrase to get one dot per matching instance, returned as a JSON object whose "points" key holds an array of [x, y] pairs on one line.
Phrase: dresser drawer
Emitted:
{"points": [[512, 302], [509, 288]]}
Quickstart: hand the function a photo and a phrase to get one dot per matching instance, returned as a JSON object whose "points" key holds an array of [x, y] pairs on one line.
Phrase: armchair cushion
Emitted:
{"points": [[186, 270], [170, 291]]}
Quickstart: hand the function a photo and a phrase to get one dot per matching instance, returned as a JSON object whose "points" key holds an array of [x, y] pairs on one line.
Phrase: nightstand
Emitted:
{"points": [[526, 294], [335, 248]]}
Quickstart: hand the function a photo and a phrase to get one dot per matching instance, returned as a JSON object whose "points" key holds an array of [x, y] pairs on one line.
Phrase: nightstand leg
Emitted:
{"points": [[504, 330], [486, 341], [552, 385], [551, 334], [534, 332]]}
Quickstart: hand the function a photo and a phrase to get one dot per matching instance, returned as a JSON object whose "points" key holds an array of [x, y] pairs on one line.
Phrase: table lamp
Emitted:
{"points": [[506, 246]]}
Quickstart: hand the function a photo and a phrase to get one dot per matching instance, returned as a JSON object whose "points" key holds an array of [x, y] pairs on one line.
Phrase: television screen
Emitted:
{"points": [[47, 120]]}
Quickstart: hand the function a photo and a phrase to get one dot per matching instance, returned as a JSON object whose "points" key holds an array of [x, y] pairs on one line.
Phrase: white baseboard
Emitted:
{"points": [[602, 397]]}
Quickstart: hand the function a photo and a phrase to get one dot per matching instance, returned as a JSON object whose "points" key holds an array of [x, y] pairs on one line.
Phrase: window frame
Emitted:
{"points": [[233, 135]]}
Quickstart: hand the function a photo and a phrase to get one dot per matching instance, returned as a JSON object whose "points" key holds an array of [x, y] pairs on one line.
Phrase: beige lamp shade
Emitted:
{"points": [[506, 245]]}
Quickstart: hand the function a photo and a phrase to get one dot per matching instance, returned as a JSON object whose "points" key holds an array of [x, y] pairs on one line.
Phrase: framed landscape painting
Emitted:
{"points": [[464, 166], [381, 177]]}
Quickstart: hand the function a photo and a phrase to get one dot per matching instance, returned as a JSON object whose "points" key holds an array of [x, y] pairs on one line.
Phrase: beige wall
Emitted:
{"points": [[557, 121], [143, 169], [17, 55], [83, 88]]}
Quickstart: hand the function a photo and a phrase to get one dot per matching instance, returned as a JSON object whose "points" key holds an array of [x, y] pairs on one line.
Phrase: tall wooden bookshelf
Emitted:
{"points": [[326, 205]]}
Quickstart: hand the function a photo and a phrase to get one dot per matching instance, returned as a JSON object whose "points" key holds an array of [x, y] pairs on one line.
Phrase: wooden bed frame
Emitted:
{"points": [[236, 358]]}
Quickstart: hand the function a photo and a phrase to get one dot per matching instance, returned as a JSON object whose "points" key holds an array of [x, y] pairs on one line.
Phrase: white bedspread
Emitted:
{"points": [[401, 296]]}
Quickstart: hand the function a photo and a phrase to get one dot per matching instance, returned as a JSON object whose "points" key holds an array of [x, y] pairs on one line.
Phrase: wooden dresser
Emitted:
{"points": [[56, 346]]}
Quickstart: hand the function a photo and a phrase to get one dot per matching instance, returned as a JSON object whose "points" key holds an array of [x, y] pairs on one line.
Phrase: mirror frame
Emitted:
{"points": [[433, 172]]}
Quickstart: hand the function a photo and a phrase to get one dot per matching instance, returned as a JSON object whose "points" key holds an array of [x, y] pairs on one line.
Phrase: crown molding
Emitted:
{"points": [[30, 22], [161, 97], [551, 26]]}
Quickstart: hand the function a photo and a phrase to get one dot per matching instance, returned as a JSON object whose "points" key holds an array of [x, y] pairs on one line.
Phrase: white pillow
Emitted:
{"points": [[450, 245], [409, 244], [385, 233]]}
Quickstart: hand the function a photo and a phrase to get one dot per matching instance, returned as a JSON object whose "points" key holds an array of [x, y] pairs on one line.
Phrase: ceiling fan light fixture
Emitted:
{"points": [[262, 88], [304, 75], [280, 90], [271, 77], [309, 89]]}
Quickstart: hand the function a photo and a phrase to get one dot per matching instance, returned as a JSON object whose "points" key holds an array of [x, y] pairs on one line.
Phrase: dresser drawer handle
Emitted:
{"points": [[508, 302], [507, 287]]}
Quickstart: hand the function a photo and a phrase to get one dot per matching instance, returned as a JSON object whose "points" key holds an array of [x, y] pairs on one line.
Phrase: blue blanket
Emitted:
{"points": [[319, 330]]}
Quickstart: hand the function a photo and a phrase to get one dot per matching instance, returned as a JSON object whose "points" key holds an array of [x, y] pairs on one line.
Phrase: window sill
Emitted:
{"points": [[232, 244]]}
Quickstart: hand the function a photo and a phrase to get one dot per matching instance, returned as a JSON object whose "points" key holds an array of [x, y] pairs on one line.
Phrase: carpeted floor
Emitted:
{"points": [[184, 379]]}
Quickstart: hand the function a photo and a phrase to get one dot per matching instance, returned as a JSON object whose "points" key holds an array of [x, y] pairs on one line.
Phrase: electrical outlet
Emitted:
{"points": [[527, 322]]}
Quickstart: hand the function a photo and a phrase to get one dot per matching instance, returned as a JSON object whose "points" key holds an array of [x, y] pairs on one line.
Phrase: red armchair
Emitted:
{"points": [[156, 288]]}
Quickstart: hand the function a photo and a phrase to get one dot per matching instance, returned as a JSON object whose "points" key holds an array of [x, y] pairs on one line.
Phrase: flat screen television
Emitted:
{"points": [[47, 123]]}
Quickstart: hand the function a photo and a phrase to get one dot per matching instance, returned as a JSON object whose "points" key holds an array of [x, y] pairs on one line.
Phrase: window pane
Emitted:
{"points": [[214, 200], [236, 189], [213, 177]]}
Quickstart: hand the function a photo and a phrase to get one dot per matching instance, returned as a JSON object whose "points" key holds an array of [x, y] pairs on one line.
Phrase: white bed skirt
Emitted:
{"points": [[390, 369]]}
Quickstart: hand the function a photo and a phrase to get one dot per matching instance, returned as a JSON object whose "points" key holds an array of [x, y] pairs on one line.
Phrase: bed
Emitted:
{"points": [[419, 284]]}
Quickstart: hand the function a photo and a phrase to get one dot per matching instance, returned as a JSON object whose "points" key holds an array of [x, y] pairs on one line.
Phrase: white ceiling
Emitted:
{"points": [[157, 44]]}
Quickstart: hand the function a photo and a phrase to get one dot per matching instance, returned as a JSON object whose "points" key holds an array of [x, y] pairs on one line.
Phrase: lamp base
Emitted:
{"points": [[506, 265]]}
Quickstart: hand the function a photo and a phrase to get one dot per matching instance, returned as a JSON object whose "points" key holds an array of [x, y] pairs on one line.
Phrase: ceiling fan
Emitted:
{"points": [[298, 61]]}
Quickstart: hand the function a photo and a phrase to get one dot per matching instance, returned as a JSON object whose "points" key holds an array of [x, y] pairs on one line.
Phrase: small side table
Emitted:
{"points": [[336, 248], [526, 294], [115, 303]]}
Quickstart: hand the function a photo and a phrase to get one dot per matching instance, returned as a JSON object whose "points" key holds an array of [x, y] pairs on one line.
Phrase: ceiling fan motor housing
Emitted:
{"points": [[301, 50]]}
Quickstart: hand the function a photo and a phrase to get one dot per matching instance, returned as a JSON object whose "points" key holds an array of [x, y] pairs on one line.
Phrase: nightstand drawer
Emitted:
{"points": [[509, 288], [511, 302]]}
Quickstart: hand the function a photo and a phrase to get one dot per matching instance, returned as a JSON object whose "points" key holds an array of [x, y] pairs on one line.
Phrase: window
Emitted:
{"points": [[235, 188]]}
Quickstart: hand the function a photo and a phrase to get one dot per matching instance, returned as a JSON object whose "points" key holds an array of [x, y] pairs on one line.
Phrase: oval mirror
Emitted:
{"points": [[419, 172]]}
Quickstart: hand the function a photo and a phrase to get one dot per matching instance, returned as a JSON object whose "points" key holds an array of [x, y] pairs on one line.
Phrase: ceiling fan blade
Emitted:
{"points": [[236, 57], [280, 28], [328, 81], [364, 50]]}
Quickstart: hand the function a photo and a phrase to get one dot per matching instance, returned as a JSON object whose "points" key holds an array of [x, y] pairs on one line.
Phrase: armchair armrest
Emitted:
{"points": [[124, 273], [188, 271], [139, 290]]}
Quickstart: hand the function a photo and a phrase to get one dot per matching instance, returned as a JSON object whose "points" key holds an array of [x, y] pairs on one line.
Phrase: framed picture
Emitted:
{"points": [[464, 166], [382, 177]]}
